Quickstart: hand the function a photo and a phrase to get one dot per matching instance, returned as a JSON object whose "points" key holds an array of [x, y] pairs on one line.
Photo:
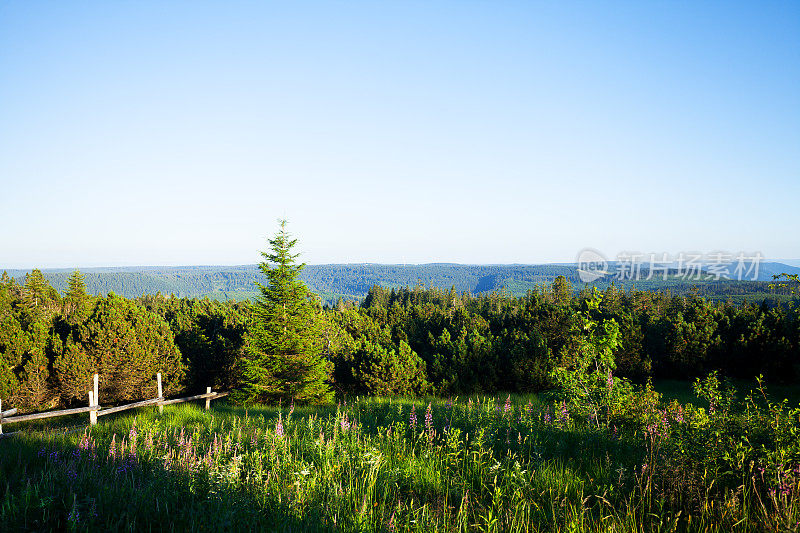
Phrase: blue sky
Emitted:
{"points": [[177, 133]]}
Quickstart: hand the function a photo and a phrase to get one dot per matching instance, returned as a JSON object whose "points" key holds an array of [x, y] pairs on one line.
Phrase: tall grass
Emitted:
{"points": [[466, 464]]}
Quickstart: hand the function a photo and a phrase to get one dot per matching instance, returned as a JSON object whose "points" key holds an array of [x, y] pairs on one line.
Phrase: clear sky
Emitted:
{"points": [[175, 133]]}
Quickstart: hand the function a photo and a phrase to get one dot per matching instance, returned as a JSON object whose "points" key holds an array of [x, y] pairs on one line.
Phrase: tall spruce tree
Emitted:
{"points": [[76, 301], [283, 350]]}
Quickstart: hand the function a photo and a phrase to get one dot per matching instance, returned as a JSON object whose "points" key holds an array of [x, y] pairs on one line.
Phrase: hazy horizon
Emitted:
{"points": [[790, 262]]}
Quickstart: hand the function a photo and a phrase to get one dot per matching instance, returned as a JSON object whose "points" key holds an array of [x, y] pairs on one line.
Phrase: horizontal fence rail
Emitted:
{"points": [[211, 396], [134, 405], [49, 414], [94, 409]]}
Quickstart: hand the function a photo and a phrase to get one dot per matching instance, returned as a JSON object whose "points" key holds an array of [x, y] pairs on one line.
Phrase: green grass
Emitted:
{"points": [[480, 464], [679, 390]]}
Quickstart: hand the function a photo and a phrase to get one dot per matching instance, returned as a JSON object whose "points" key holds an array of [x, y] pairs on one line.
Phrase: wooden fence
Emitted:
{"points": [[95, 409]]}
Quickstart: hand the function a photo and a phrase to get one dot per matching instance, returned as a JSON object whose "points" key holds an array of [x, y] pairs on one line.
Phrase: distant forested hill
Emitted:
{"points": [[352, 281]]}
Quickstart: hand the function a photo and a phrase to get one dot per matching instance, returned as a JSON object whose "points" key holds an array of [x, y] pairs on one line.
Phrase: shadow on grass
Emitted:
{"points": [[50, 484]]}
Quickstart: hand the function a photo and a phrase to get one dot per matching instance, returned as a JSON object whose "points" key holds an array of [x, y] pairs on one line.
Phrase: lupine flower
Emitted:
{"points": [[279, 426], [507, 405], [563, 415], [413, 418], [345, 423], [448, 404], [609, 381], [428, 418], [547, 416]]}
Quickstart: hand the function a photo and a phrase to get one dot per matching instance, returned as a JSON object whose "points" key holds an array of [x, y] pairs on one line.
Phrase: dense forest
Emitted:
{"points": [[395, 341], [353, 281]]}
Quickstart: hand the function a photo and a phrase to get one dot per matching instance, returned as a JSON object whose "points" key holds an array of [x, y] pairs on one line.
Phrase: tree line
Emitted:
{"points": [[412, 340]]}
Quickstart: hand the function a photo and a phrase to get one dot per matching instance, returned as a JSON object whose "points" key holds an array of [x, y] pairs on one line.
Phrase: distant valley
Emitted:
{"points": [[352, 281]]}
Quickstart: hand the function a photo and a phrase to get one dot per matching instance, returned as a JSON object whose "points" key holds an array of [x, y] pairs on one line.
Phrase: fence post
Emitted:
{"points": [[96, 391], [92, 414], [160, 394], [208, 400]]}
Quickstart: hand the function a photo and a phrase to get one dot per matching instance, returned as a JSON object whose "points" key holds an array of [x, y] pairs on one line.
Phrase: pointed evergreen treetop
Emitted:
{"points": [[76, 286]]}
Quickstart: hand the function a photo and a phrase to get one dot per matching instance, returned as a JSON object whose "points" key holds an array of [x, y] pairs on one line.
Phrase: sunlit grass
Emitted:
{"points": [[477, 463]]}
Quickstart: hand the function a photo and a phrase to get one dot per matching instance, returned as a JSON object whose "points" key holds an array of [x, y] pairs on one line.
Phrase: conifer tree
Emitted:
{"points": [[35, 289], [283, 353], [76, 301]]}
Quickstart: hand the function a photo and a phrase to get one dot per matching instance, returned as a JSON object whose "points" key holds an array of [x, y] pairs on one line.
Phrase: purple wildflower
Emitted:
{"points": [[413, 418], [279, 426], [563, 415], [429, 418]]}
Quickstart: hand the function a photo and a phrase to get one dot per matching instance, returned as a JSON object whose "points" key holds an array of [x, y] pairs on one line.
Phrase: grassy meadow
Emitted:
{"points": [[370, 464]]}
